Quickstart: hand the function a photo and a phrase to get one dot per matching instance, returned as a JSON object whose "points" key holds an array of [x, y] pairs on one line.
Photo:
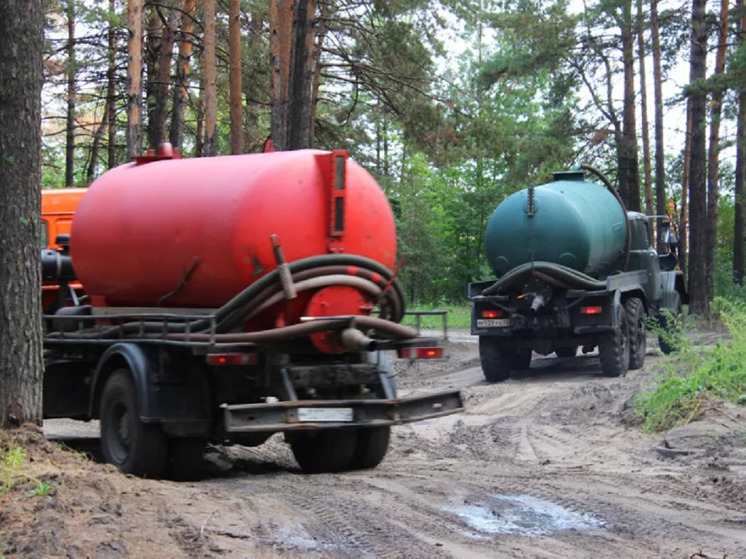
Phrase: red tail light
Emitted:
{"points": [[421, 352], [591, 310], [492, 313], [232, 359]]}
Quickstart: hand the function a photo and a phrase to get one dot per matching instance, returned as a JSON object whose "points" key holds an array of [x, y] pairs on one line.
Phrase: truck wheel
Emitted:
{"points": [[614, 348], [566, 351], [664, 342], [370, 448], [498, 363], [329, 450], [131, 445], [635, 312]]}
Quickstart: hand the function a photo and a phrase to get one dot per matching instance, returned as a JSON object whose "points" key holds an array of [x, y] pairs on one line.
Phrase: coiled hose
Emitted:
{"points": [[309, 273]]}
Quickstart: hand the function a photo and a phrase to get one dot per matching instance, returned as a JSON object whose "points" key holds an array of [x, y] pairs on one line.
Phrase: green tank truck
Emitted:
{"points": [[574, 270]]}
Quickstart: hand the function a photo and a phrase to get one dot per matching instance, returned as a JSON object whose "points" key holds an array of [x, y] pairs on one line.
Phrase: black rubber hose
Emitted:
{"points": [[568, 276]]}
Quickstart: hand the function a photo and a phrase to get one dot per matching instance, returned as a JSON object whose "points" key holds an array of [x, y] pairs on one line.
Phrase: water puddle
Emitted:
{"points": [[524, 515]]}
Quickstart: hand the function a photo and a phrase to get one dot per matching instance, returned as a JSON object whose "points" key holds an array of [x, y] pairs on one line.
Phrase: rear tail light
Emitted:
{"points": [[421, 352], [492, 313], [591, 310], [232, 359]]}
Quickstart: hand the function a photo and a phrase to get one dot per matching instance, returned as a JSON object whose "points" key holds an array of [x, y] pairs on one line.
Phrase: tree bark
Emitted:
{"points": [[301, 75], [21, 368], [280, 34], [698, 302], [684, 210], [178, 109], [134, 78], [236, 89], [71, 94], [629, 178], [211, 103], [660, 161], [159, 114], [740, 179], [647, 167], [713, 155], [111, 89]]}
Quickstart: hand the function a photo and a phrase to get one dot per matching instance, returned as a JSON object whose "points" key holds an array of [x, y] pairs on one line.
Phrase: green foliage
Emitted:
{"points": [[458, 316], [691, 377], [11, 460], [12, 474]]}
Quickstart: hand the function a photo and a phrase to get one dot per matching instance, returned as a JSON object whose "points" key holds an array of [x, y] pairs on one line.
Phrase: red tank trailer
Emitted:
{"points": [[232, 298]]}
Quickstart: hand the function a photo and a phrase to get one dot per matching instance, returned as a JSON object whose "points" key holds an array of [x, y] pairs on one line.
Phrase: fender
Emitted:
{"points": [[673, 281], [142, 364]]}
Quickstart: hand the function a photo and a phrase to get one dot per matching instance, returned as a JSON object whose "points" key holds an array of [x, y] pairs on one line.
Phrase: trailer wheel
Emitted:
{"points": [[635, 312], [328, 450], [664, 341], [131, 445], [370, 448], [614, 348], [497, 362], [569, 351]]}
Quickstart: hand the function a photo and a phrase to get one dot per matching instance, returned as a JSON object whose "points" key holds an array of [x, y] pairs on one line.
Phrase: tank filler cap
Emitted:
{"points": [[165, 151]]}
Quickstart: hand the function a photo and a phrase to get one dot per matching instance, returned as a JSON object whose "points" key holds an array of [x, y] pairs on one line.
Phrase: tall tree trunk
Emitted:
{"points": [[644, 112], [280, 35], [21, 368], [326, 12], [684, 210], [134, 78], [713, 156], [301, 74], [698, 301], [178, 109], [95, 146], [660, 161], [153, 41], [163, 78], [236, 89], [211, 102], [740, 179], [111, 89], [71, 93], [629, 177]]}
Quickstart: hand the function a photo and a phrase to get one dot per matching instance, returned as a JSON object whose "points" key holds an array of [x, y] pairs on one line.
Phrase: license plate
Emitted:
{"points": [[324, 414], [493, 322]]}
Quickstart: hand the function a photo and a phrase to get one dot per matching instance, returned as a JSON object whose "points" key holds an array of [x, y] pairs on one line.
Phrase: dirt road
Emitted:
{"points": [[550, 464]]}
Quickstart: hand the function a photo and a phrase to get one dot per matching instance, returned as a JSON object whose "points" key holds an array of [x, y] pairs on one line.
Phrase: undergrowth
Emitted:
{"points": [[691, 376], [13, 475]]}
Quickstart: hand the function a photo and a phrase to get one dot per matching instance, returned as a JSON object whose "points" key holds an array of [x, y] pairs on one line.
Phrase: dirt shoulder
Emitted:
{"points": [[551, 463]]}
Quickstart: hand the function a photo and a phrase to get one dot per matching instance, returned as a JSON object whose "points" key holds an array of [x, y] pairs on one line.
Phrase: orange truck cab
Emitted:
{"points": [[57, 208]]}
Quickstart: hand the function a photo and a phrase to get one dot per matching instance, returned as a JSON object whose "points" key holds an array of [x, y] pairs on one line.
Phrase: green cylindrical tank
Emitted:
{"points": [[570, 221]]}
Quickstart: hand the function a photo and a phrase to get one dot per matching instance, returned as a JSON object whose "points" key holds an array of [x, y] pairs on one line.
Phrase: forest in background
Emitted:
{"points": [[451, 105]]}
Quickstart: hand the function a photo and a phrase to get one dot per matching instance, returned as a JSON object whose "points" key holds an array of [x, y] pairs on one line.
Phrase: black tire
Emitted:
{"points": [[370, 448], [498, 363], [666, 346], [329, 450], [132, 446], [566, 351], [635, 312], [614, 348]]}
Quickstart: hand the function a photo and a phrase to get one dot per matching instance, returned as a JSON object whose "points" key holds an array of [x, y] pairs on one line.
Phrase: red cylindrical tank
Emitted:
{"points": [[200, 229]]}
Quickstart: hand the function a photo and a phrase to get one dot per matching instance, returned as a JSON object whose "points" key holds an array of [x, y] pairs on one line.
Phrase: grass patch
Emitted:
{"points": [[13, 474], [692, 376], [458, 317]]}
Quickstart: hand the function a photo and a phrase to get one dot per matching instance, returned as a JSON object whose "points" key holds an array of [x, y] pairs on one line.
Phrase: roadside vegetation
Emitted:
{"points": [[14, 474], [458, 317], [692, 377]]}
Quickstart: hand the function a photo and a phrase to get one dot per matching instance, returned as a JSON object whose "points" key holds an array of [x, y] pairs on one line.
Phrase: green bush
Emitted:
{"points": [[690, 377]]}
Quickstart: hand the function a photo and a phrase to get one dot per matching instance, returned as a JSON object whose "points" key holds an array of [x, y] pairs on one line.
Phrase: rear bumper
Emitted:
{"points": [[325, 414]]}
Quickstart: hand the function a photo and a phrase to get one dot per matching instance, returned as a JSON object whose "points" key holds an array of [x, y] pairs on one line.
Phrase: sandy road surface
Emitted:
{"points": [[547, 465]]}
